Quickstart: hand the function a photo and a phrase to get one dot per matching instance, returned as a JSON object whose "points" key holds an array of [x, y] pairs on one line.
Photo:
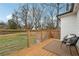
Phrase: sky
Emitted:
{"points": [[6, 9]]}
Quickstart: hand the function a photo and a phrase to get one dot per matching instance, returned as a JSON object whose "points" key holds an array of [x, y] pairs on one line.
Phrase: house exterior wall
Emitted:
{"points": [[77, 22], [70, 24], [77, 28]]}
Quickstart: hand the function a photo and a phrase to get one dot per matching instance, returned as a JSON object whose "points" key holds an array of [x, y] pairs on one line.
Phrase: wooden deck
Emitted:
{"points": [[49, 47], [36, 50]]}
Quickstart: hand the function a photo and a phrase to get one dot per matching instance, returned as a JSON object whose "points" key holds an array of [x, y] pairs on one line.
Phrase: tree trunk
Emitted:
{"points": [[57, 26]]}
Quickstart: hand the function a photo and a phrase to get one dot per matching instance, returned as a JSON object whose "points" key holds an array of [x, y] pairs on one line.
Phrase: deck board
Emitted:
{"points": [[36, 50], [40, 50]]}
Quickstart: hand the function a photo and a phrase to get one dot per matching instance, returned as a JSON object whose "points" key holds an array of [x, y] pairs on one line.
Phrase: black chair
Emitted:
{"points": [[69, 42]]}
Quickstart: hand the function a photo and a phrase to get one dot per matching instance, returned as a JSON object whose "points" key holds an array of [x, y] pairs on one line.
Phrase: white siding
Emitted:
{"points": [[77, 27], [70, 24], [77, 22]]}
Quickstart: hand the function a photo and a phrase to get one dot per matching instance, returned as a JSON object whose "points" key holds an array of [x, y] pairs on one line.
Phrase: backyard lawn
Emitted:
{"points": [[12, 42], [16, 41]]}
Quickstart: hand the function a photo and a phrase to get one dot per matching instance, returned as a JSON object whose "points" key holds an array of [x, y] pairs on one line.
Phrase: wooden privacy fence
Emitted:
{"points": [[37, 36]]}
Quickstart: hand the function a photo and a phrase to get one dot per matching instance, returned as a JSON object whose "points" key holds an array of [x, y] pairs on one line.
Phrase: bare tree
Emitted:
{"points": [[51, 12], [34, 13], [57, 7], [37, 15], [15, 18], [23, 14]]}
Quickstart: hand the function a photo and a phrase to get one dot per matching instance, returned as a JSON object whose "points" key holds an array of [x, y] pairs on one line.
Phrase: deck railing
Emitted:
{"points": [[37, 36]]}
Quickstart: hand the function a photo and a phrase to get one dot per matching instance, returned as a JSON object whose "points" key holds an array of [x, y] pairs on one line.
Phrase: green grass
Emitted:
{"points": [[12, 42]]}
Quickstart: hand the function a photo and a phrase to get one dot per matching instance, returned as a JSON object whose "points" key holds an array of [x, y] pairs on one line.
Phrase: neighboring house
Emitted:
{"points": [[70, 22]]}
